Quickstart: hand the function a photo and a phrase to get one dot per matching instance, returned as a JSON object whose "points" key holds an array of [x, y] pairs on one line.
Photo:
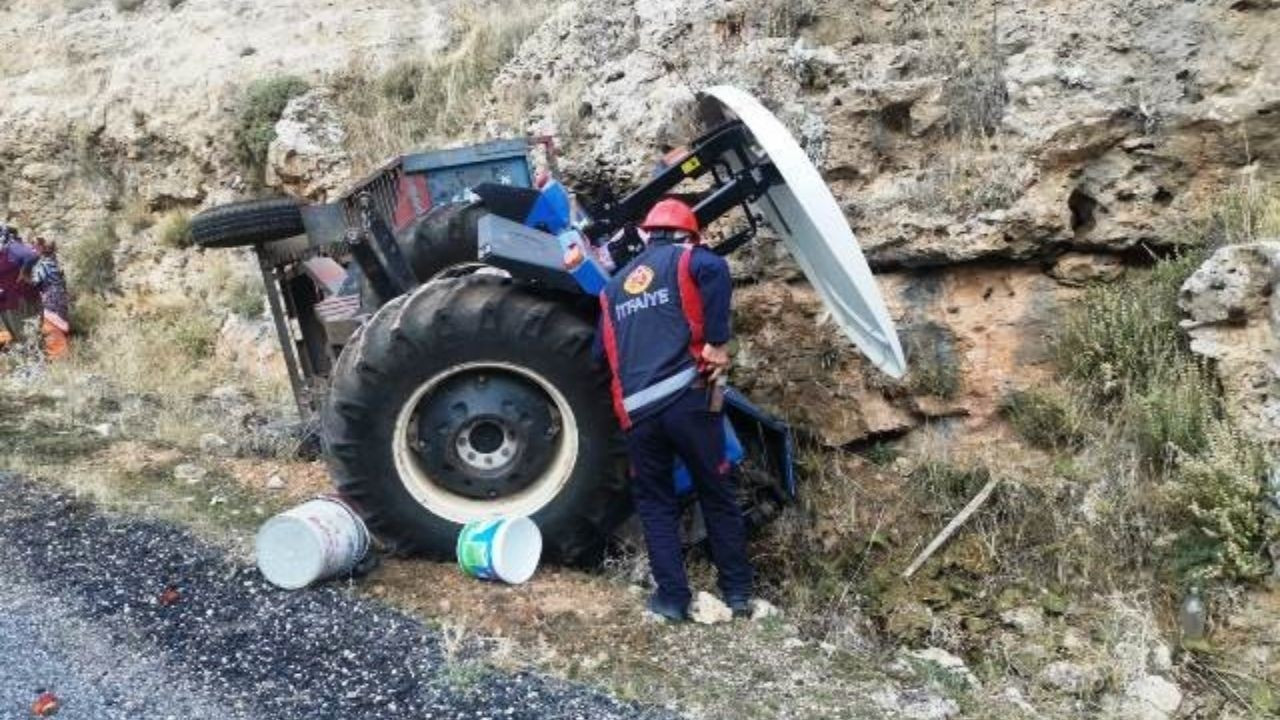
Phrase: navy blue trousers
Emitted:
{"points": [[688, 429]]}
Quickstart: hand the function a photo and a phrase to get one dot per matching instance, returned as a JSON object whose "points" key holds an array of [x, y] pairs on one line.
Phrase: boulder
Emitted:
{"points": [[308, 158], [1071, 677], [945, 662], [1027, 620], [1233, 318], [707, 609], [189, 474], [1147, 698]]}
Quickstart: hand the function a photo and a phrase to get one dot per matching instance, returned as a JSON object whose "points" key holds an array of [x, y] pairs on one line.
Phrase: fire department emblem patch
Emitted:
{"points": [[638, 281]]}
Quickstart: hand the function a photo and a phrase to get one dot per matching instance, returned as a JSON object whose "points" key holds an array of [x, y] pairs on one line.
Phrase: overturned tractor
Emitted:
{"points": [[439, 317]]}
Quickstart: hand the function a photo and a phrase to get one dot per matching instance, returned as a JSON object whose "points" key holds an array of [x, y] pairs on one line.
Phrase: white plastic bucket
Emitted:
{"points": [[316, 540], [506, 549]]}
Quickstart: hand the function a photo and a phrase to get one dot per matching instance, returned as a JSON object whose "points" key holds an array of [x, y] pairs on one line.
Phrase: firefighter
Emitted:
{"points": [[664, 329]]}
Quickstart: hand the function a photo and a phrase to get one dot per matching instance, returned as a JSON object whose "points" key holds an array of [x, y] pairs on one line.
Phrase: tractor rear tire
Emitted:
{"points": [[247, 223], [458, 363]]}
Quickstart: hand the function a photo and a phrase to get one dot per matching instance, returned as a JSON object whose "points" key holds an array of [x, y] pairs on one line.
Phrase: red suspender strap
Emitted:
{"points": [[691, 303], [610, 342]]}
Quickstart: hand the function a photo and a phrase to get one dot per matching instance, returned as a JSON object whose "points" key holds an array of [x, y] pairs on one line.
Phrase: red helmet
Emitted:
{"points": [[671, 214]]}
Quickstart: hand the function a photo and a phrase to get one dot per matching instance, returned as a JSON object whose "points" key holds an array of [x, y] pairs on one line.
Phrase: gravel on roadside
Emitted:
{"points": [[230, 646]]}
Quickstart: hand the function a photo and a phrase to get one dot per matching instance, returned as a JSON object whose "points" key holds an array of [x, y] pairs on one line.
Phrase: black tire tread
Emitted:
{"points": [[448, 315], [248, 222], [444, 238]]}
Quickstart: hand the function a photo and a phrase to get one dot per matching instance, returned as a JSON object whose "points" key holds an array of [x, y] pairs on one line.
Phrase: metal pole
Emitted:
{"points": [[301, 395]]}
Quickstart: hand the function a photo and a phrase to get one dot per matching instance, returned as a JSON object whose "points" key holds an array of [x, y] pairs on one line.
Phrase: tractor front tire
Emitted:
{"points": [[474, 398], [444, 242], [247, 223]]}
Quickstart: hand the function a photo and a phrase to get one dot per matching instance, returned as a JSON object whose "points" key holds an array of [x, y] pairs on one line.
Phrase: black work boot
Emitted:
{"points": [[668, 610], [741, 606]]}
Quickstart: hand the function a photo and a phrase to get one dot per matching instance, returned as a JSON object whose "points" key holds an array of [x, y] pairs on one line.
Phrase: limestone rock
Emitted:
{"points": [[1026, 620], [916, 704], [946, 662], [1160, 658], [707, 609], [1147, 698], [1071, 677], [1104, 139], [189, 473], [762, 609], [102, 106], [1233, 317], [251, 345], [212, 443], [308, 159], [1083, 268]]}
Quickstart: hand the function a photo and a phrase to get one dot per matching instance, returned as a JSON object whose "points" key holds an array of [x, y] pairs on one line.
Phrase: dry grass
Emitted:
{"points": [[772, 18], [956, 41], [422, 101], [90, 261], [1248, 212], [1048, 418], [175, 230], [136, 214], [969, 175]]}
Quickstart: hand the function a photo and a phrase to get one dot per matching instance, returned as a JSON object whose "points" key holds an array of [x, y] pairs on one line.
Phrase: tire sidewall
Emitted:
{"points": [[404, 368]]}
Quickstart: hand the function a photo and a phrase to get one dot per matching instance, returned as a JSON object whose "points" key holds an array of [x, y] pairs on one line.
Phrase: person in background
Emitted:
{"points": [[16, 294], [55, 301]]}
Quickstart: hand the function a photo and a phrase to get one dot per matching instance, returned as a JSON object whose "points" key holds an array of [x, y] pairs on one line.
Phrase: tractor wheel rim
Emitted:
{"points": [[483, 448]]}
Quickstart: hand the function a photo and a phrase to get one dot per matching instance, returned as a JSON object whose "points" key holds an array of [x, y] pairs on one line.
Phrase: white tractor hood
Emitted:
{"points": [[805, 214]]}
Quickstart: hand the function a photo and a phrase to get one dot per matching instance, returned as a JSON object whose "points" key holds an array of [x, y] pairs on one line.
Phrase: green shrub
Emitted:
{"points": [[137, 215], [245, 298], [91, 262], [948, 487], [87, 313], [175, 230], [260, 109], [401, 81], [1047, 420], [1124, 335], [1220, 497], [1201, 479], [189, 331], [1172, 415], [881, 454]]}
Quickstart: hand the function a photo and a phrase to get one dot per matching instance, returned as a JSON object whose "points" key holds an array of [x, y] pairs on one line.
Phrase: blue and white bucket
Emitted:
{"points": [[506, 549]]}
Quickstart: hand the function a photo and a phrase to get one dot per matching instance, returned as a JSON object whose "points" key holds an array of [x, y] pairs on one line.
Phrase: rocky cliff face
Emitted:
{"points": [[101, 104], [992, 158]]}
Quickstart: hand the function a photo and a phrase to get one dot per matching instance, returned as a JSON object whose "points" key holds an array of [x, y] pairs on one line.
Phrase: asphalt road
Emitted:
{"points": [[81, 616]]}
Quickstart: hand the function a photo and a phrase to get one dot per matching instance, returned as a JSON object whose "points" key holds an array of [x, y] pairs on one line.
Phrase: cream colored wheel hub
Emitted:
{"points": [[485, 439]]}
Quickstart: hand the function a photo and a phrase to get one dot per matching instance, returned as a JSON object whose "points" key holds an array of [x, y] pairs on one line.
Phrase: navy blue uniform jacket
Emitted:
{"points": [[656, 315]]}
